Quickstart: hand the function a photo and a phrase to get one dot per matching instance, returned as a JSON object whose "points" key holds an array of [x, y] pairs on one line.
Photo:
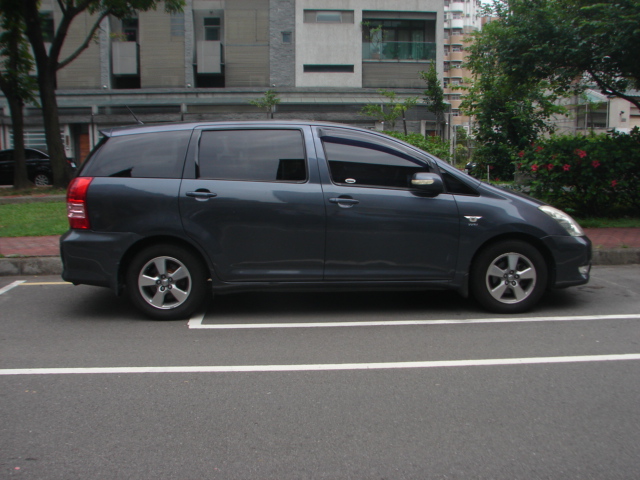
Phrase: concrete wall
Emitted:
{"points": [[161, 53], [282, 58], [84, 71], [340, 44], [246, 36]]}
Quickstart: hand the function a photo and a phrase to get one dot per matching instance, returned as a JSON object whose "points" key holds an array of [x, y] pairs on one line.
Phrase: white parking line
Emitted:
{"points": [[11, 286], [196, 322], [322, 367]]}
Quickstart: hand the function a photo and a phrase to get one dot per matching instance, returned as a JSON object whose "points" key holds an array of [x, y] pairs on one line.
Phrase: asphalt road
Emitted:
{"points": [[328, 386]]}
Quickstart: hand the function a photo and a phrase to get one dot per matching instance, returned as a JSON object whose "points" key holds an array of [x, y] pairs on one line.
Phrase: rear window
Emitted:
{"points": [[146, 155]]}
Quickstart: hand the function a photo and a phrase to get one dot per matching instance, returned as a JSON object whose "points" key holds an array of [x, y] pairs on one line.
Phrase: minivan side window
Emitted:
{"points": [[145, 155], [266, 155], [363, 163]]}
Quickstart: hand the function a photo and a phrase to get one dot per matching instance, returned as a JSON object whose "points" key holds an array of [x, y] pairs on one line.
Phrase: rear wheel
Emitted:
{"points": [[509, 277], [166, 282], [41, 179]]}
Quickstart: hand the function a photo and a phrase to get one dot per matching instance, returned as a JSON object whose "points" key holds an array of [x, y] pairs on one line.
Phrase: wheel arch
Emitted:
{"points": [[523, 237], [146, 242]]}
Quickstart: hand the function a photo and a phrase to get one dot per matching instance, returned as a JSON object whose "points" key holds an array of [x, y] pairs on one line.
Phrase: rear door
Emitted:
{"points": [[378, 229], [252, 199]]}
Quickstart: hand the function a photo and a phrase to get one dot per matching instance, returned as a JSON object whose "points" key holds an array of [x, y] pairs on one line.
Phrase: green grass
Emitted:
{"points": [[625, 222], [6, 191], [33, 219]]}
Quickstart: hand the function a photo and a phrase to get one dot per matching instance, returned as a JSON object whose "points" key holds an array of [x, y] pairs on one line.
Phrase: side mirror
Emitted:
{"points": [[428, 183]]}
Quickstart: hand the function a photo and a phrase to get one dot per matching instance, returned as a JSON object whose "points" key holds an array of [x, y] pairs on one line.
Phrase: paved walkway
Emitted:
{"points": [[602, 238]]}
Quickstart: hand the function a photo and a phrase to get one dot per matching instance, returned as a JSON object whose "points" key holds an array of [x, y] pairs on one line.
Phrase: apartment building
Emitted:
{"points": [[595, 112], [326, 59], [461, 18]]}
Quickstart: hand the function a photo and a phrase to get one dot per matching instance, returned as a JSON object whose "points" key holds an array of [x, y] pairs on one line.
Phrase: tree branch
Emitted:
{"points": [[84, 44], [607, 89]]}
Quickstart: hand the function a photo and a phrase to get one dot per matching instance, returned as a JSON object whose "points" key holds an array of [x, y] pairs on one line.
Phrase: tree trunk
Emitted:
{"points": [[20, 179], [49, 104]]}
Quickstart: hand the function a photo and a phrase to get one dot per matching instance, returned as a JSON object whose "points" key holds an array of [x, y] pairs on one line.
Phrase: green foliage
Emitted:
{"points": [[572, 43], [434, 95], [511, 112], [33, 219], [268, 102], [391, 110], [16, 61], [586, 175], [436, 146]]}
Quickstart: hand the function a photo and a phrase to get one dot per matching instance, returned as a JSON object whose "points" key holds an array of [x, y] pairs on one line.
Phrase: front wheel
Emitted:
{"points": [[166, 282], [509, 277], [42, 179]]}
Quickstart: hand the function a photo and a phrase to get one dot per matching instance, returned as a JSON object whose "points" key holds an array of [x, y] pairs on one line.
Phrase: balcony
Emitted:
{"points": [[399, 51]]}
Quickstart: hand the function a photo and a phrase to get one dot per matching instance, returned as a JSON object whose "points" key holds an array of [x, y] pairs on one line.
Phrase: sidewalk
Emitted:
{"points": [[41, 255]]}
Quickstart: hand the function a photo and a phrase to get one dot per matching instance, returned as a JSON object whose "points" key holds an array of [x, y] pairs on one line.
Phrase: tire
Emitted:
{"points": [[509, 277], [41, 179], [166, 282]]}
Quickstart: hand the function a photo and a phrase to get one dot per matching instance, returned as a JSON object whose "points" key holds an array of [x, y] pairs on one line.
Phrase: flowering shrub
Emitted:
{"points": [[586, 175]]}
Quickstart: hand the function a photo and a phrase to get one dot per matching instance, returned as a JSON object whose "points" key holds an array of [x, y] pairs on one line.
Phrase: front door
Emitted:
{"points": [[377, 227]]}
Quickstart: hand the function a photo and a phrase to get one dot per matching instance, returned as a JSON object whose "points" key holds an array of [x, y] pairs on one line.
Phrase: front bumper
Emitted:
{"points": [[572, 259]]}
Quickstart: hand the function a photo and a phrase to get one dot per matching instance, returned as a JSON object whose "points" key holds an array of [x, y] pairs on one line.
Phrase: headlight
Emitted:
{"points": [[568, 223]]}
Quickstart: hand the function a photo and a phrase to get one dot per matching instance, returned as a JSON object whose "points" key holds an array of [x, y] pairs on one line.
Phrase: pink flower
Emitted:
{"points": [[539, 148], [580, 153], [521, 153], [566, 167], [534, 168], [614, 183], [550, 167], [595, 164]]}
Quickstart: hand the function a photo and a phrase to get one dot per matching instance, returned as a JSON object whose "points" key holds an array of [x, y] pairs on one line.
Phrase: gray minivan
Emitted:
{"points": [[166, 212]]}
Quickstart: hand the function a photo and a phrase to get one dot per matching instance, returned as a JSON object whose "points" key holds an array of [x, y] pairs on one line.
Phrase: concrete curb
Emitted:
{"points": [[53, 265], [616, 256], [30, 266]]}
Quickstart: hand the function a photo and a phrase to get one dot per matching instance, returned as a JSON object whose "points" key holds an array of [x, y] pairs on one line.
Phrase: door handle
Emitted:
{"points": [[201, 194], [344, 202]]}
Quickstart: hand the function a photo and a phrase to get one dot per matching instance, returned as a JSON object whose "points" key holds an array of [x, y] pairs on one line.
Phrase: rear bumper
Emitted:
{"points": [[572, 259], [92, 258]]}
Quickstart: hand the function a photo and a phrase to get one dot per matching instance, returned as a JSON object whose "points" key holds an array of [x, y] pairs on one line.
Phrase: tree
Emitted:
{"points": [[389, 112], [16, 84], [572, 44], [434, 96], [268, 102], [48, 61], [511, 111]]}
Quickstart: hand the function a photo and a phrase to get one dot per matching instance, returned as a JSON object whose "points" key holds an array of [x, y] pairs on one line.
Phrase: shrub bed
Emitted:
{"points": [[595, 175]]}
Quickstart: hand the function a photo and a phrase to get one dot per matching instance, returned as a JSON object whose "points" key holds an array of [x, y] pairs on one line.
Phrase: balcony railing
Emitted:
{"points": [[399, 51]]}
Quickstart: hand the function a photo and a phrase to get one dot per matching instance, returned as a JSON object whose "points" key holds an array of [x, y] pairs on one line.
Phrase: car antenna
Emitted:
{"points": [[140, 122]]}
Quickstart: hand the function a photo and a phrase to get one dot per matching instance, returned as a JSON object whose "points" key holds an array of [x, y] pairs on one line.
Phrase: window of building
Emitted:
{"points": [[48, 31], [287, 37], [328, 68], [328, 16], [267, 155], [130, 29], [212, 29], [456, 48]]}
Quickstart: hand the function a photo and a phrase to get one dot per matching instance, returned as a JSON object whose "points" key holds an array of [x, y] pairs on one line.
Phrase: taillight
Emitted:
{"points": [[77, 203]]}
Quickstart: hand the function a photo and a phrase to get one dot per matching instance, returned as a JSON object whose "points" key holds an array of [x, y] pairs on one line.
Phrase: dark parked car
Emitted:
{"points": [[167, 212], [38, 167]]}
